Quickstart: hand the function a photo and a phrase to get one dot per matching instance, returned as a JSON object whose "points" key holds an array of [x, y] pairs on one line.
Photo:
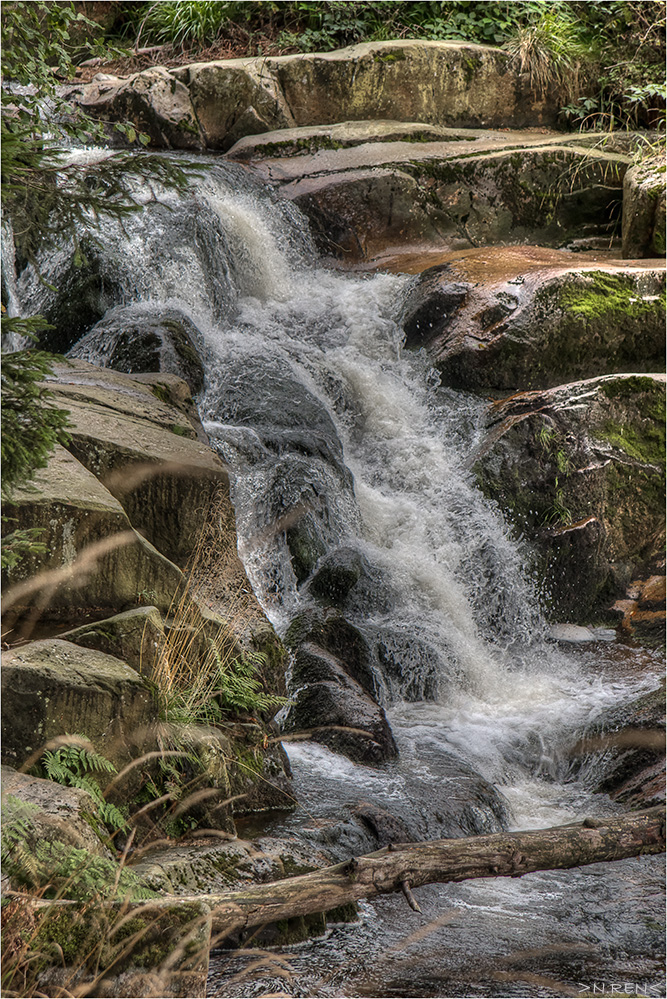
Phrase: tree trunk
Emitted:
{"points": [[406, 866]]}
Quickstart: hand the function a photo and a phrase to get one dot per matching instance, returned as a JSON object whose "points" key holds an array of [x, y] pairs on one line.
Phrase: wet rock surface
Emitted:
{"points": [[580, 470], [521, 318], [139, 340], [332, 708]]}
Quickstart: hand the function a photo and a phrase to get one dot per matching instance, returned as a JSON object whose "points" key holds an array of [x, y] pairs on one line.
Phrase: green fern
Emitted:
{"points": [[73, 766], [17, 828], [239, 687]]}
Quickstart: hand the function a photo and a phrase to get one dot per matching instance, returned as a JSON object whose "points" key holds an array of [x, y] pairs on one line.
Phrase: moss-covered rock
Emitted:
{"points": [[644, 209], [52, 688], [520, 318], [580, 471], [159, 950]]}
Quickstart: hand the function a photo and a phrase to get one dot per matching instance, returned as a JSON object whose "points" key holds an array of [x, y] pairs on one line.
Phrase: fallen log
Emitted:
{"points": [[407, 866]]}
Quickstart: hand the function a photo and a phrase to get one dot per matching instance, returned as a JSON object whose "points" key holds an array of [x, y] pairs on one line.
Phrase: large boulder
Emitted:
{"points": [[139, 339], [644, 209], [135, 636], [462, 188], [216, 103], [154, 101], [53, 688], [130, 435], [529, 317], [580, 471], [94, 560]]}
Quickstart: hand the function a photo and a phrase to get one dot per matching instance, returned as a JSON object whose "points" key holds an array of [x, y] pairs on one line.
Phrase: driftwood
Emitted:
{"points": [[409, 865]]}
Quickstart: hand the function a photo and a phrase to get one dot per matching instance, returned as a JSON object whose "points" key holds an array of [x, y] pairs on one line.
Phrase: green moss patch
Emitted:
{"points": [[607, 295]]}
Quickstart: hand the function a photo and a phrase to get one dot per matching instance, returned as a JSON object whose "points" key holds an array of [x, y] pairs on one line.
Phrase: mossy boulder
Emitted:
{"points": [[644, 209], [519, 318], [215, 104], [580, 471], [138, 340], [48, 813], [52, 688], [158, 950]]}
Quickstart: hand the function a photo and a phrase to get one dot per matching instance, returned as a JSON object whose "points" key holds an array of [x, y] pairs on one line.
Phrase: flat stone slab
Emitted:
{"points": [[135, 637]]}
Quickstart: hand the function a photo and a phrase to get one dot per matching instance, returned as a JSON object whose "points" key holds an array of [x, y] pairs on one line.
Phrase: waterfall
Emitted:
{"points": [[325, 421]]}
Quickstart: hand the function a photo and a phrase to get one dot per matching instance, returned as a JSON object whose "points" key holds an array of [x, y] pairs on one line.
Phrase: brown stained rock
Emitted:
{"points": [[653, 593], [579, 470], [505, 318], [53, 688]]}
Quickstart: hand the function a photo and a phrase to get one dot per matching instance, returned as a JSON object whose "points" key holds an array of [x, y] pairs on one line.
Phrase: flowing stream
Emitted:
{"points": [[326, 421]]}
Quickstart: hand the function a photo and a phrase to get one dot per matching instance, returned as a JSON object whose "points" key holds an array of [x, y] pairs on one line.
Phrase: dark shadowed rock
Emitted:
{"points": [[135, 339], [580, 471], [330, 631], [333, 709]]}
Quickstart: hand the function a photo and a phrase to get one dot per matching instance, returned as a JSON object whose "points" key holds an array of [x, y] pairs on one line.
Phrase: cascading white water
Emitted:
{"points": [[315, 406], [322, 417]]}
